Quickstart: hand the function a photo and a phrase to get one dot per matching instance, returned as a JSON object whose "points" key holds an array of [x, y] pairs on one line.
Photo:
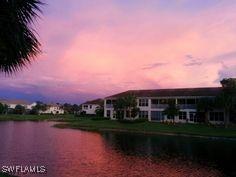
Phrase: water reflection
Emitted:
{"points": [[211, 152], [75, 153]]}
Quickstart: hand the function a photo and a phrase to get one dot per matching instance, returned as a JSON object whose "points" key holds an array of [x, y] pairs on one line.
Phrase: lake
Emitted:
{"points": [[75, 153]]}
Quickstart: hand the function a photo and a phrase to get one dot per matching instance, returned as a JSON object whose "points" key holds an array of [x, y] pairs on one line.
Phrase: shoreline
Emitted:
{"points": [[144, 128], [100, 130]]}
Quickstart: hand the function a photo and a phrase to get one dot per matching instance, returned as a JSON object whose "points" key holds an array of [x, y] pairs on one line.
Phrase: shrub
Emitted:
{"points": [[19, 109]]}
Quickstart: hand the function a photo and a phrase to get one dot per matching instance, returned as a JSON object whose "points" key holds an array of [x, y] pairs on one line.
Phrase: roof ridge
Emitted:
{"points": [[175, 88], [197, 91]]}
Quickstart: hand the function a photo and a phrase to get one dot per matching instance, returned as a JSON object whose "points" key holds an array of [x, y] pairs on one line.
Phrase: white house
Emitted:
{"points": [[90, 107], [152, 103], [53, 109], [12, 103]]}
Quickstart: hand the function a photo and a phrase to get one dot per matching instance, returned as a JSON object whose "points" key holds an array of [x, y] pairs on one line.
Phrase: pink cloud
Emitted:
{"points": [[102, 50]]}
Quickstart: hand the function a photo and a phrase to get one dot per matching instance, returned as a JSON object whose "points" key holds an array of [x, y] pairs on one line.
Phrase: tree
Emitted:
{"points": [[75, 108], [228, 83], [67, 108], [126, 104], [71, 109], [205, 105], [18, 43], [172, 110], [119, 108], [3, 108], [19, 109], [227, 99], [99, 111], [131, 106], [40, 106]]}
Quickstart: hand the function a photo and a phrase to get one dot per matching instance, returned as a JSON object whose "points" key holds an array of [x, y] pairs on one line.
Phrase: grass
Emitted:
{"points": [[15, 117], [5, 175], [101, 124], [151, 128]]}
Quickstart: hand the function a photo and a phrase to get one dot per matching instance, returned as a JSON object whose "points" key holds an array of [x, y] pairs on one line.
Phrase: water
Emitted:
{"points": [[75, 153]]}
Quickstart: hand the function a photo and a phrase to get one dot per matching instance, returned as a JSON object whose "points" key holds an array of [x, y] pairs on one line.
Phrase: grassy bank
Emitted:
{"points": [[6, 175], [151, 128], [15, 117], [94, 124]]}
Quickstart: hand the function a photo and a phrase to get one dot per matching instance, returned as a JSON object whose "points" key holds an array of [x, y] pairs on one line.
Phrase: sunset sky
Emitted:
{"points": [[96, 48]]}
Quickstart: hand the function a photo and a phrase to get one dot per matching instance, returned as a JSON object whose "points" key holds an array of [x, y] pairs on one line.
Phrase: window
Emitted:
{"points": [[143, 114], [143, 102], [169, 101], [90, 106], [108, 101], [108, 113], [155, 101], [157, 115], [191, 101], [182, 115], [163, 101], [85, 106], [217, 116], [192, 117], [197, 100], [170, 117], [181, 101]]}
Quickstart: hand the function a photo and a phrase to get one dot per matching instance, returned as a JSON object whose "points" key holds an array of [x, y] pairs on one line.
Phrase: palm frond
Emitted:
{"points": [[18, 43]]}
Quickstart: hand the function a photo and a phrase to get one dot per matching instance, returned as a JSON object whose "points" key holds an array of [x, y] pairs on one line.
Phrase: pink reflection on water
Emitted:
{"points": [[74, 153]]}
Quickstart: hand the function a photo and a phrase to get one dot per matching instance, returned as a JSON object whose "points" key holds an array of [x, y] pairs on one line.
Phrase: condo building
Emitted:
{"points": [[152, 103], [90, 107]]}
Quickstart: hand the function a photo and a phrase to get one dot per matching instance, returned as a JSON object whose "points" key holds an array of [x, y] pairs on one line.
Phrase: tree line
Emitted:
{"points": [[40, 106]]}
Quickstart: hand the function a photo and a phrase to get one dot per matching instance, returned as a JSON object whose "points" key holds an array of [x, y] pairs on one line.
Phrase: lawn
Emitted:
{"points": [[151, 128], [96, 124], [16, 117], [5, 175]]}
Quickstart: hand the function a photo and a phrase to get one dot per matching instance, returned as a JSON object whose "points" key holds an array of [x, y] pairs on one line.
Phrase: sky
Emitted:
{"points": [[93, 49]]}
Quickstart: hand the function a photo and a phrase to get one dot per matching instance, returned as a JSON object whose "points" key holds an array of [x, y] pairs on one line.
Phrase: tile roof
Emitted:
{"points": [[97, 101], [205, 91]]}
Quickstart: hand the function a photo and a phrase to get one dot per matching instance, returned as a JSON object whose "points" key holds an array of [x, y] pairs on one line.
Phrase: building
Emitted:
{"points": [[90, 107], [12, 103], [53, 109], [152, 103]]}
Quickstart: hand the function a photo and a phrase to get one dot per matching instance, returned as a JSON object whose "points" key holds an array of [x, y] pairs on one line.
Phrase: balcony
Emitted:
{"points": [[109, 105], [187, 106], [181, 106], [161, 106]]}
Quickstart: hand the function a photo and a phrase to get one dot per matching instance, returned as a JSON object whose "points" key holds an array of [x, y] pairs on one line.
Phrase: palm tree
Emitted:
{"points": [[227, 98], [172, 110], [126, 104], [131, 105], [205, 105], [227, 102], [119, 106], [18, 43]]}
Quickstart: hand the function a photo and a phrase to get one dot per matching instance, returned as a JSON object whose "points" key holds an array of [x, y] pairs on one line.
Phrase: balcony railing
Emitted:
{"points": [[109, 105], [187, 106], [181, 106], [159, 106]]}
